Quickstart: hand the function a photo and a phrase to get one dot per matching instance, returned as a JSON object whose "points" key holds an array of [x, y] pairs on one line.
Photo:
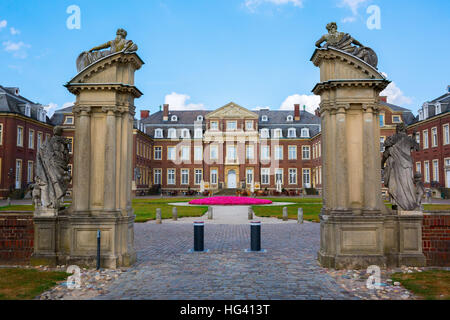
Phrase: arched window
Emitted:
{"points": [[278, 133], [292, 133], [172, 134], [159, 134], [174, 118], [305, 133], [199, 118], [290, 118], [185, 134], [264, 133], [264, 118], [198, 133]]}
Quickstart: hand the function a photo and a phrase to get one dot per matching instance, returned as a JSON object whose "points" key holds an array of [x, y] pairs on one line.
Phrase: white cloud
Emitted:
{"points": [[253, 4], [3, 24], [352, 4], [310, 101], [395, 95], [52, 107], [177, 101], [14, 31], [17, 48], [348, 19]]}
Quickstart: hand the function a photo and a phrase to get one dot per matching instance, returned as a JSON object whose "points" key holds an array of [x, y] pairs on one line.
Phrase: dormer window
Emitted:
{"points": [[158, 133], [292, 133], [278, 133], [264, 133], [172, 133], [28, 110], [305, 133], [425, 111], [68, 120], [185, 134], [174, 118], [264, 118], [290, 118], [438, 108], [200, 118], [396, 119], [198, 133], [420, 115]]}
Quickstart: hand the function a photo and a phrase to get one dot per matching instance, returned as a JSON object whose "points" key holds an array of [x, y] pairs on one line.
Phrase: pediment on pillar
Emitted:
{"points": [[336, 64], [113, 72], [232, 111]]}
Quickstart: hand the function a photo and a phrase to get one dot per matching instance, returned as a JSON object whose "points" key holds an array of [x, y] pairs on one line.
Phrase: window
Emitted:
{"points": [[231, 153], [185, 134], [265, 153], [18, 174], [249, 176], [250, 152], [292, 152], [39, 140], [420, 115], [30, 172], [170, 176], [279, 176], [418, 167], [20, 136], [158, 133], [248, 125], [214, 176], [231, 125], [396, 119], [278, 133], [305, 133], [171, 153], [292, 176], [292, 133], [157, 153], [214, 125], [290, 118], [28, 110], [436, 170], [157, 176], [200, 118], [68, 120], [307, 178], [446, 133], [418, 138], [174, 118], [265, 175], [425, 139], [198, 133], [70, 144], [198, 176], [434, 137], [31, 139], [306, 153], [438, 108], [214, 152], [382, 139], [426, 166], [1, 134], [381, 119], [172, 133], [185, 153], [264, 119], [198, 153], [425, 110], [184, 176], [278, 152], [264, 133]]}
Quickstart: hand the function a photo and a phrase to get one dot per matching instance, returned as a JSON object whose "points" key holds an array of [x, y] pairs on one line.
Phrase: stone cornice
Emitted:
{"points": [[380, 84], [76, 88]]}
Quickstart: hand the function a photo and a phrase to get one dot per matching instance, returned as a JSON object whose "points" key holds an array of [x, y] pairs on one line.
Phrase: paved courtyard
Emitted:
{"points": [[166, 270]]}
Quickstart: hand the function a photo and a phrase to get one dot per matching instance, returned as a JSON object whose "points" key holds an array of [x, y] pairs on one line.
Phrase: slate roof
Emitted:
{"points": [[12, 103], [443, 100], [407, 116], [58, 117]]}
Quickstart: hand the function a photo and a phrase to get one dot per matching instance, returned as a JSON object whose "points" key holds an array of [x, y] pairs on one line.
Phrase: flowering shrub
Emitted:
{"points": [[229, 201]]}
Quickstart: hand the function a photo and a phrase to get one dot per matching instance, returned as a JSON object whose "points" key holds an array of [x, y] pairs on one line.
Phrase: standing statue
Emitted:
{"points": [[52, 171], [420, 189], [345, 42], [398, 174], [120, 44]]}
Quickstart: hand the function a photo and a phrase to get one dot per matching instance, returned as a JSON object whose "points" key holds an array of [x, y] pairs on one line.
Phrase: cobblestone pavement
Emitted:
{"points": [[165, 269]]}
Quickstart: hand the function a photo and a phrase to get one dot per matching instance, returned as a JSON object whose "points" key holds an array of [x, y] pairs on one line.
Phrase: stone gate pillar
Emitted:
{"points": [[104, 112]]}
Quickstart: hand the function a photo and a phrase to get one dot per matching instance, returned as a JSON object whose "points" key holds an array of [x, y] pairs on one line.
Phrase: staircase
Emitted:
{"points": [[226, 192]]}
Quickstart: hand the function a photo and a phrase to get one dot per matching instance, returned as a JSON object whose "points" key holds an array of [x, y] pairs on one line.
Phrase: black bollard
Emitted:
{"points": [[98, 248], [255, 236], [199, 235]]}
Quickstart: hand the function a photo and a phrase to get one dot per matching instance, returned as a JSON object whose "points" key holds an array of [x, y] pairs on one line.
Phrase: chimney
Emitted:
{"points": [[383, 98], [166, 112], [296, 112], [145, 114]]}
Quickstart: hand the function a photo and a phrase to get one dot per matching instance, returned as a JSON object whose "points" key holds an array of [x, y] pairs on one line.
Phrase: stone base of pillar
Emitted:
{"points": [[72, 240]]}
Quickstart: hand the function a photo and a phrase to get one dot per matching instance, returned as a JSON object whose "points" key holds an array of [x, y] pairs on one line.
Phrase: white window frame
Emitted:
{"points": [[18, 174], [265, 155], [233, 155], [249, 175], [159, 133], [250, 152], [185, 134], [264, 119], [172, 133], [434, 137], [277, 133], [31, 138], [171, 153], [157, 150], [446, 133], [233, 127], [265, 134], [279, 173], [30, 173], [426, 169], [174, 118], [19, 136], [184, 177], [292, 155], [293, 173], [157, 176], [418, 167], [249, 125], [198, 133], [435, 164], [289, 118], [214, 125], [185, 155], [171, 171], [265, 173], [278, 154], [198, 176], [425, 139], [214, 176], [305, 133], [308, 148], [198, 153], [292, 133], [306, 173], [216, 148]]}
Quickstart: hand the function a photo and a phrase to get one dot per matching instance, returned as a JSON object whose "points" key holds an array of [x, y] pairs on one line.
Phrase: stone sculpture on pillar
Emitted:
{"points": [[398, 173]]}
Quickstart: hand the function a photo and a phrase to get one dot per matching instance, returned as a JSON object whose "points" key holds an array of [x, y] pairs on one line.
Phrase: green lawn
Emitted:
{"points": [[25, 207], [311, 208], [26, 284], [430, 285]]}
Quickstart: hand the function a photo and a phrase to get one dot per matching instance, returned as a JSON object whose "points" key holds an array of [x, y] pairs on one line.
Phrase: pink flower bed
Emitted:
{"points": [[229, 201]]}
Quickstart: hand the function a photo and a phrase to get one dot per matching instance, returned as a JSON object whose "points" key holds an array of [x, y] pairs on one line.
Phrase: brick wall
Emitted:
{"points": [[16, 237], [436, 238]]}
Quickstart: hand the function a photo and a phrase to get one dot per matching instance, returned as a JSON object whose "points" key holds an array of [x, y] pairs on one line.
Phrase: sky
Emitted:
{"points": [[203, 54]]}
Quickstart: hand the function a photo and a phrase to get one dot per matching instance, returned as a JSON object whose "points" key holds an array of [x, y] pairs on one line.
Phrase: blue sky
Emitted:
{"points": [[206, 53]]}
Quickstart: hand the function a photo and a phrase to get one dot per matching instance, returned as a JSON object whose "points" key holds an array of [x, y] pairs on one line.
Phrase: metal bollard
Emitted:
{"points": [[255, 236], [174, 214], [210, 213], [300, 215], [158, 216], [250, 213], [285, 214], [98, 248], [199, 236]]}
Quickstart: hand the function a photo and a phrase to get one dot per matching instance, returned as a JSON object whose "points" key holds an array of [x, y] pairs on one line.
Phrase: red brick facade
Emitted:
{"points": [[436, 238], [16, 237]]}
